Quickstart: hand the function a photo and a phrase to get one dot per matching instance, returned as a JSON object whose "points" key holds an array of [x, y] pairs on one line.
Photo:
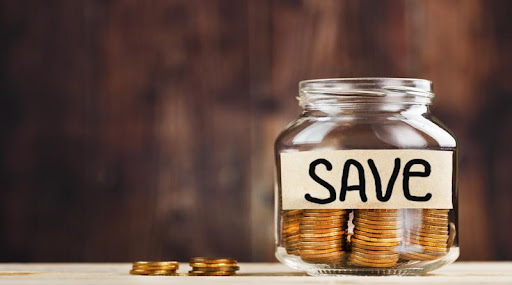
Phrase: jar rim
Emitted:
{"points": [[367, 87]]}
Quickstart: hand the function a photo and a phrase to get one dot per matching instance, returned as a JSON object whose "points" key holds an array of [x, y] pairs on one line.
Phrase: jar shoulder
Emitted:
{"points": [[391, 132]]}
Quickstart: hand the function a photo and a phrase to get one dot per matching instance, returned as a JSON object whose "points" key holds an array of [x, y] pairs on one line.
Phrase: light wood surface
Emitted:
{"points": [[250, 273]]}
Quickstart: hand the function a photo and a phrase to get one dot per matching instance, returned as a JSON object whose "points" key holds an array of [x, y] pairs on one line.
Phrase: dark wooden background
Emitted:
{"points": [[143, 129]]}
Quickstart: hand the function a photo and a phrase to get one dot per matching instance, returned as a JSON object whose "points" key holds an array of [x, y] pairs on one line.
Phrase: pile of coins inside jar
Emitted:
{"points": [[380, 238], [201, 266]]}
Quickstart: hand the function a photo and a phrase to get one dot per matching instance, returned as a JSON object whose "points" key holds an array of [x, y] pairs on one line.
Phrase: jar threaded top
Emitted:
{"points": [[335, 91]]}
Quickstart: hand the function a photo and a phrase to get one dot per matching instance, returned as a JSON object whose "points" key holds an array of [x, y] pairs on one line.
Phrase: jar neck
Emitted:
{"points": [[366, 109], [331, 97]]}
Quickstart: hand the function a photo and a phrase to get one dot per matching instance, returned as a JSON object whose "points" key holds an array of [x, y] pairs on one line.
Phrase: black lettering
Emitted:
{"points": [[378, 184], [312, 174], [408, 174], [344, 180]]}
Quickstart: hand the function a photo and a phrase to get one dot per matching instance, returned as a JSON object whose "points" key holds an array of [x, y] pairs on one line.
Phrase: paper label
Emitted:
{"points": [[367, 179]]}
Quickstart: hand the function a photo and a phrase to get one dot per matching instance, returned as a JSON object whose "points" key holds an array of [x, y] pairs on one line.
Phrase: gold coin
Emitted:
{"points": [[292, 239], [326, 211], [357, 261], [427, 235], [430, 211], [290, 232], [292, 212], [291, 220], [322, 254], [391, 256], [376, 253], [326, 215], [226, 268], [323, 240], [290, 226], [315, 235], [435, 215], [320, 246], [378, 231], [332, 229], [292, 217], [152, 272], [355, 245], [211, 273], [291, 229], [311, 221], [323, 260], [434, 218], [394, 234], [434, 248], [356, 239], [427, 243], [420, 256], [378, 222], [376, 258], [155, 263], [213, 265], [379, 210], [373, 259], [414, 236], [334, 247], [430, 223], [380, 227], [291, 242], [375, 239], [322, 226], [310, 252], [213, 260], [314, 222], [378, 215], [156, 268], [323, 231], [434, 230]]}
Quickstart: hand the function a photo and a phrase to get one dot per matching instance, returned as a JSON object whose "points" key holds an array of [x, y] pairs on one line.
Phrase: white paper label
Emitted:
{"points": [[367, 179]]}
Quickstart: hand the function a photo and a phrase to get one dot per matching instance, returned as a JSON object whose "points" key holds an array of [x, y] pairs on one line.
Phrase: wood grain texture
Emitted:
{"points": [[144, 129], [267, 273]]}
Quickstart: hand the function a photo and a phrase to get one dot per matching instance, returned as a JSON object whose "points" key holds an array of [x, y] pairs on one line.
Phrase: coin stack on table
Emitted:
{"points": [[429, 240], [323, 236], [376, 238], [154, 268], [204, 266], [291, 222]]}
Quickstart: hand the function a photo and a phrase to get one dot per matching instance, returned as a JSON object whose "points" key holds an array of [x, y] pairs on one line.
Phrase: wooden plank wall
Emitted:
{"points": [[143, 129]]}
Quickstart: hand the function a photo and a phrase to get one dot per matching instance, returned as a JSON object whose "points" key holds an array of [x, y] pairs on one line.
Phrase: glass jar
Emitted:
{"points": [[366, 180]]}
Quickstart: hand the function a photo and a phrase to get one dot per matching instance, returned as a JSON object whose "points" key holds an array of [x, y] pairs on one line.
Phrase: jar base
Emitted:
{"points": [[407, 268]]}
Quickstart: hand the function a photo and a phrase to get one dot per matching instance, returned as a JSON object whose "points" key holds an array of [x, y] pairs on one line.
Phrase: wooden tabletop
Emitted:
{"points": [[252, 273]]}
